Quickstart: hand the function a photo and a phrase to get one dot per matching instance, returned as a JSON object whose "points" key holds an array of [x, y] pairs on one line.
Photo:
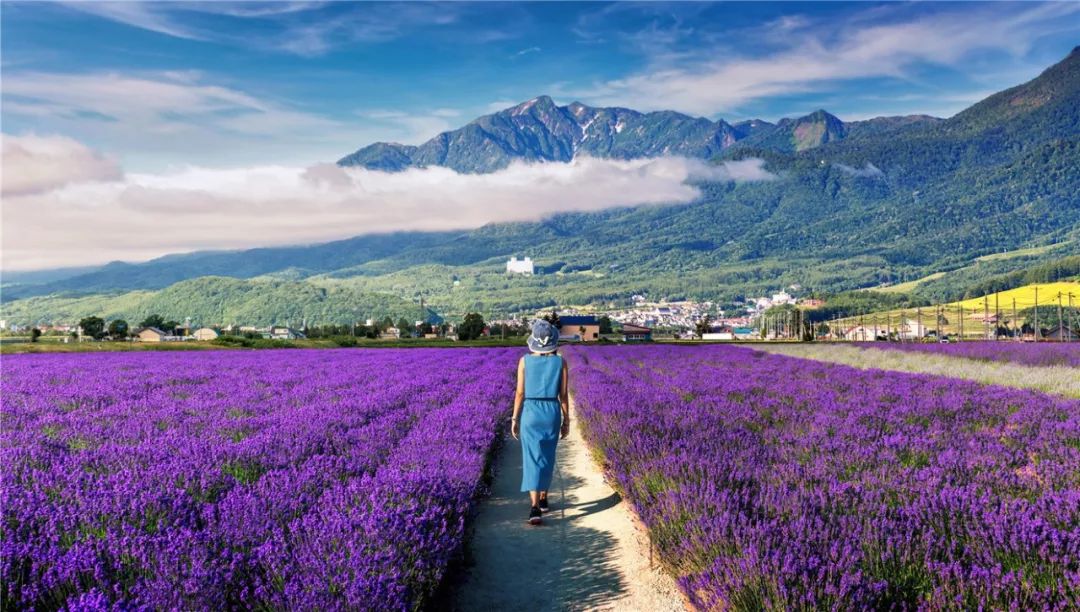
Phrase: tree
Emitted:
{"points": [[35, 334], [93, 327], [118, 328], [472, 327], [553, 318], [404, 326], [605, 324], [154, 320], [702, 327], [169, 327]]}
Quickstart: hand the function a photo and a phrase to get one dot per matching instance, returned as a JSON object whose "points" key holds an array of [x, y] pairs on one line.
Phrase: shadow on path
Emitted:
{"points": [[560, 565]]}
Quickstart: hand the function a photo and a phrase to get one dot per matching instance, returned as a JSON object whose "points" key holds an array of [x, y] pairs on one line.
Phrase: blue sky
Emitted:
{"points": [[230, 84]]}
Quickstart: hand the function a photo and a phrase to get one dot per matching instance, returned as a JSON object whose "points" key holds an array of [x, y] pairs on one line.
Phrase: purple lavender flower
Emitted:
{"points": [[273, 479]]}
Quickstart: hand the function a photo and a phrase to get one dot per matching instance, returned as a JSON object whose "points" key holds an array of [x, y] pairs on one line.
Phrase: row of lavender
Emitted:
{"points": [[772, 482], [283, 480], [1042, 354]]}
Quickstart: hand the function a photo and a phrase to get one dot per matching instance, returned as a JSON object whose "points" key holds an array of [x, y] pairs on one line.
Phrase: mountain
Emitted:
{"points": [[539, 130], [857, 204]]}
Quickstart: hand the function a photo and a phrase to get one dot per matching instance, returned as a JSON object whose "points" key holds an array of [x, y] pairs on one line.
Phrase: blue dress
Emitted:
{"points": [[540, 420]]}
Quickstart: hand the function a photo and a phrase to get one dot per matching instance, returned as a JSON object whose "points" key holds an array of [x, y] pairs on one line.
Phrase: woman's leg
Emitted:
{"points": [[534, 497], [543, 494]]}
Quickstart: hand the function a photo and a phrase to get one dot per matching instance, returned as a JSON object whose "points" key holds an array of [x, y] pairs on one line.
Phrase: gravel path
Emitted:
{"points": [[588, 554]]}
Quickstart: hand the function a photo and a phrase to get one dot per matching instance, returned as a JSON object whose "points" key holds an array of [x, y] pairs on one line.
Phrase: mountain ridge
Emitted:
{"points": [[540, 130]]}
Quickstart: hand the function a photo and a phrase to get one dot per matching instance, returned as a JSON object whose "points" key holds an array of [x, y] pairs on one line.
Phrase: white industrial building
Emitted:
{"points": [[522, 266]]}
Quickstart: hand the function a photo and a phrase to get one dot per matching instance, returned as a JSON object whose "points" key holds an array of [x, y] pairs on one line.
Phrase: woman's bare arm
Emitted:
{"points": [[564, 399], [519, 397]]}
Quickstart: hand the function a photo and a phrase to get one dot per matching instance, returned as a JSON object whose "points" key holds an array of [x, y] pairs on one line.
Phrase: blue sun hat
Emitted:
{"points": [[544, 337]]}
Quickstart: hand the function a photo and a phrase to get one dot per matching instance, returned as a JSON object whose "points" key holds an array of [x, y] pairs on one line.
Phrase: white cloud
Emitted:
{"points": [[147, 215], [743, 170], [288, 26], [809, 59], [867, 171], [144, 15], [34, 164], [412, 128], [181, 115], [498, 105]]}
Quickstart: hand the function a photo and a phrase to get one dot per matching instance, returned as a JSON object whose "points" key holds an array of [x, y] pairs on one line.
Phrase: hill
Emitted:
{"points": [[856, 205], [215, 300]]}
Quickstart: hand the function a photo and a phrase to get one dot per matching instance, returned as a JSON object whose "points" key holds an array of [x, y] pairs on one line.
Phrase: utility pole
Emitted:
{"points": [[986, 318], [1073, 316], [1061, 325], [997, 316], [1037, 334], [960, 313], [937, 321], [1019, 337]]}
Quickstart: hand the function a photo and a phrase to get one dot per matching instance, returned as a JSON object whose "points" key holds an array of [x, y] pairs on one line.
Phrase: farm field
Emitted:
{"points": [[1057, 379], [297, 479], [1046, 354], [769, 482], [1025, 296], [972, 319]]}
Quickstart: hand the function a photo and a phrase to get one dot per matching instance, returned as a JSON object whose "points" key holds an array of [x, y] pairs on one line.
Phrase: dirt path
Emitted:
{"points": [[587, 555]]}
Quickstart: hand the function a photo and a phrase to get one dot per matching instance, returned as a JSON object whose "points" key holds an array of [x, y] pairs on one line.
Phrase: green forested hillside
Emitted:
{"points": [[221, 301]]}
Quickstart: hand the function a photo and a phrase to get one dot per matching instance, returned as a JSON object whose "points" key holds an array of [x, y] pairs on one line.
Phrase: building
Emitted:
{"points": [[1061, 334], [743, 333], [579, 328], [861, 333], [719, 332], [205, 333], [779, 299], [151, 334], [390, 333], [523, 266], [285, 333], [911, 329], [636, 333]]}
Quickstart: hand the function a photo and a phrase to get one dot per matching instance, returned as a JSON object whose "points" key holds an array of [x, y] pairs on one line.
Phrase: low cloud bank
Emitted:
{"points": [[97, 214], [34, 164]]}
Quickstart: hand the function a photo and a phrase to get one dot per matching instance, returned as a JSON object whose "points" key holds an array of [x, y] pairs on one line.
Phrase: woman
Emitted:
{"points": [[541, 414]]}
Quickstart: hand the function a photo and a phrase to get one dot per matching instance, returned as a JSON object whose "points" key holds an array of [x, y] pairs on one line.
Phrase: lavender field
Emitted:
{"points": [[1043, 354], [269, 479], [769, 482]]}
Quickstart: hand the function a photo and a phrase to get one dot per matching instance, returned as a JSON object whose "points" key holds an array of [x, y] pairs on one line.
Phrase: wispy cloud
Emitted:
{"points": [[180, 113], [83, 219], [811, 58], [308, 29], [527, 51], [412, 127], [867, 171], [150, 16]]}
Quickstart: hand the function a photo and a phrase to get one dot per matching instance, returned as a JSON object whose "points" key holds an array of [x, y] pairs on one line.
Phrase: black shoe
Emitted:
{"points": [[543, 504], [534, 516]]}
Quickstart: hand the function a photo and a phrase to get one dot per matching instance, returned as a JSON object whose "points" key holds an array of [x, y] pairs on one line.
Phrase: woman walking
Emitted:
{"points": [[541, 414]]}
